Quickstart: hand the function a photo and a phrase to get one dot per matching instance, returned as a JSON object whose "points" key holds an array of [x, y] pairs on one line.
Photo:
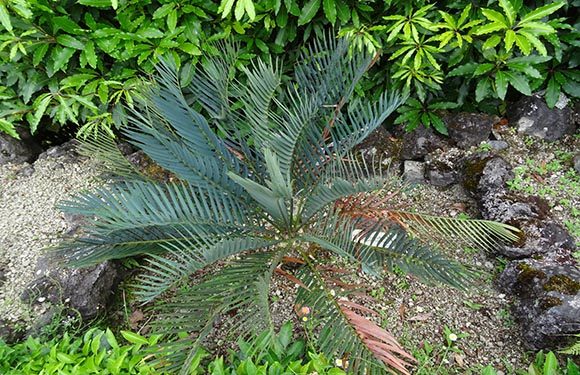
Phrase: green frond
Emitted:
{"points": [[378, 248], [326, 71], [362, 118], [258, 94], [139, 217], [188, 254], [325, 194], [354, 166], [450, 232], [273, 198], [394, 247], [169, 103], [324, 81], [347, 130], [344, 334], [334, 234], [102, 147], [242, 286], [574, 349], [180, 139], [212, 80]]}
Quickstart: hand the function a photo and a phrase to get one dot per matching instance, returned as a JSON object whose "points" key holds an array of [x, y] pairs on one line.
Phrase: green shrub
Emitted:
{"points": [[72, 61], [446, 54], [77, 62], [286, 193], [544, 364], [97, 352]]}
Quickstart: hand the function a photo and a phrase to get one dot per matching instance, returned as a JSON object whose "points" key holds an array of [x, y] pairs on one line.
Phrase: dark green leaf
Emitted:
{"points": [[90, 55], [69, 41], [483, 89], [483, 68], [491, 42], [5, 18], [163, 10], [66, 24], [96, 3], [501, 84], [172, 20], [495, 17], [150, 32], [489, 28], [519, 83], [552, 92], [438, 124], [62, 57], [572, 88], [329, 7], [342, 11], [443, 105], [8, 128], [39, 53], [308, 12], [40, 105], [509, 11], [542, 11], [463, 70]]}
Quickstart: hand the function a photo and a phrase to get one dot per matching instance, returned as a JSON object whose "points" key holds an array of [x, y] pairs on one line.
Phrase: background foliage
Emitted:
{"points": [[74, 62]]}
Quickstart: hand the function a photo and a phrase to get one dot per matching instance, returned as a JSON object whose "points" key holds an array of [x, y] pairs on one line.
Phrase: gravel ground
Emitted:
{"points": [[29, 221]]}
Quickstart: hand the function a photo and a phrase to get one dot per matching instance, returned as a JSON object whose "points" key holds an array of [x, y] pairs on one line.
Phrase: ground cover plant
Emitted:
{"points": [[266, 204], [78, 62], [100, 351], [543, 364]]}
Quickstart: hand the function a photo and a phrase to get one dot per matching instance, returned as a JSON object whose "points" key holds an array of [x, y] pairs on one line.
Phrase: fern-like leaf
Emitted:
{"points": [[187, 255], [140, 217], [479, 234], [573, 349], [241, 287], [102, 147]]}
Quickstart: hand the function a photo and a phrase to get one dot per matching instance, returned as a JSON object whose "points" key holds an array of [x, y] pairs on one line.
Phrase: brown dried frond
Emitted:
{"points": [[380, 342]]}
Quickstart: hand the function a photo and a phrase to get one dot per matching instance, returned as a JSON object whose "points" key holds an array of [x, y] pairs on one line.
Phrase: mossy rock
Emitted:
{"points": [[473, 170], [550, 301], [562, 284], [528, 273]]}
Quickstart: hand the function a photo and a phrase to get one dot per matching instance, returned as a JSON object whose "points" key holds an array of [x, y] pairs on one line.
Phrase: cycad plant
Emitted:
{"points": [[264, 174]]}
